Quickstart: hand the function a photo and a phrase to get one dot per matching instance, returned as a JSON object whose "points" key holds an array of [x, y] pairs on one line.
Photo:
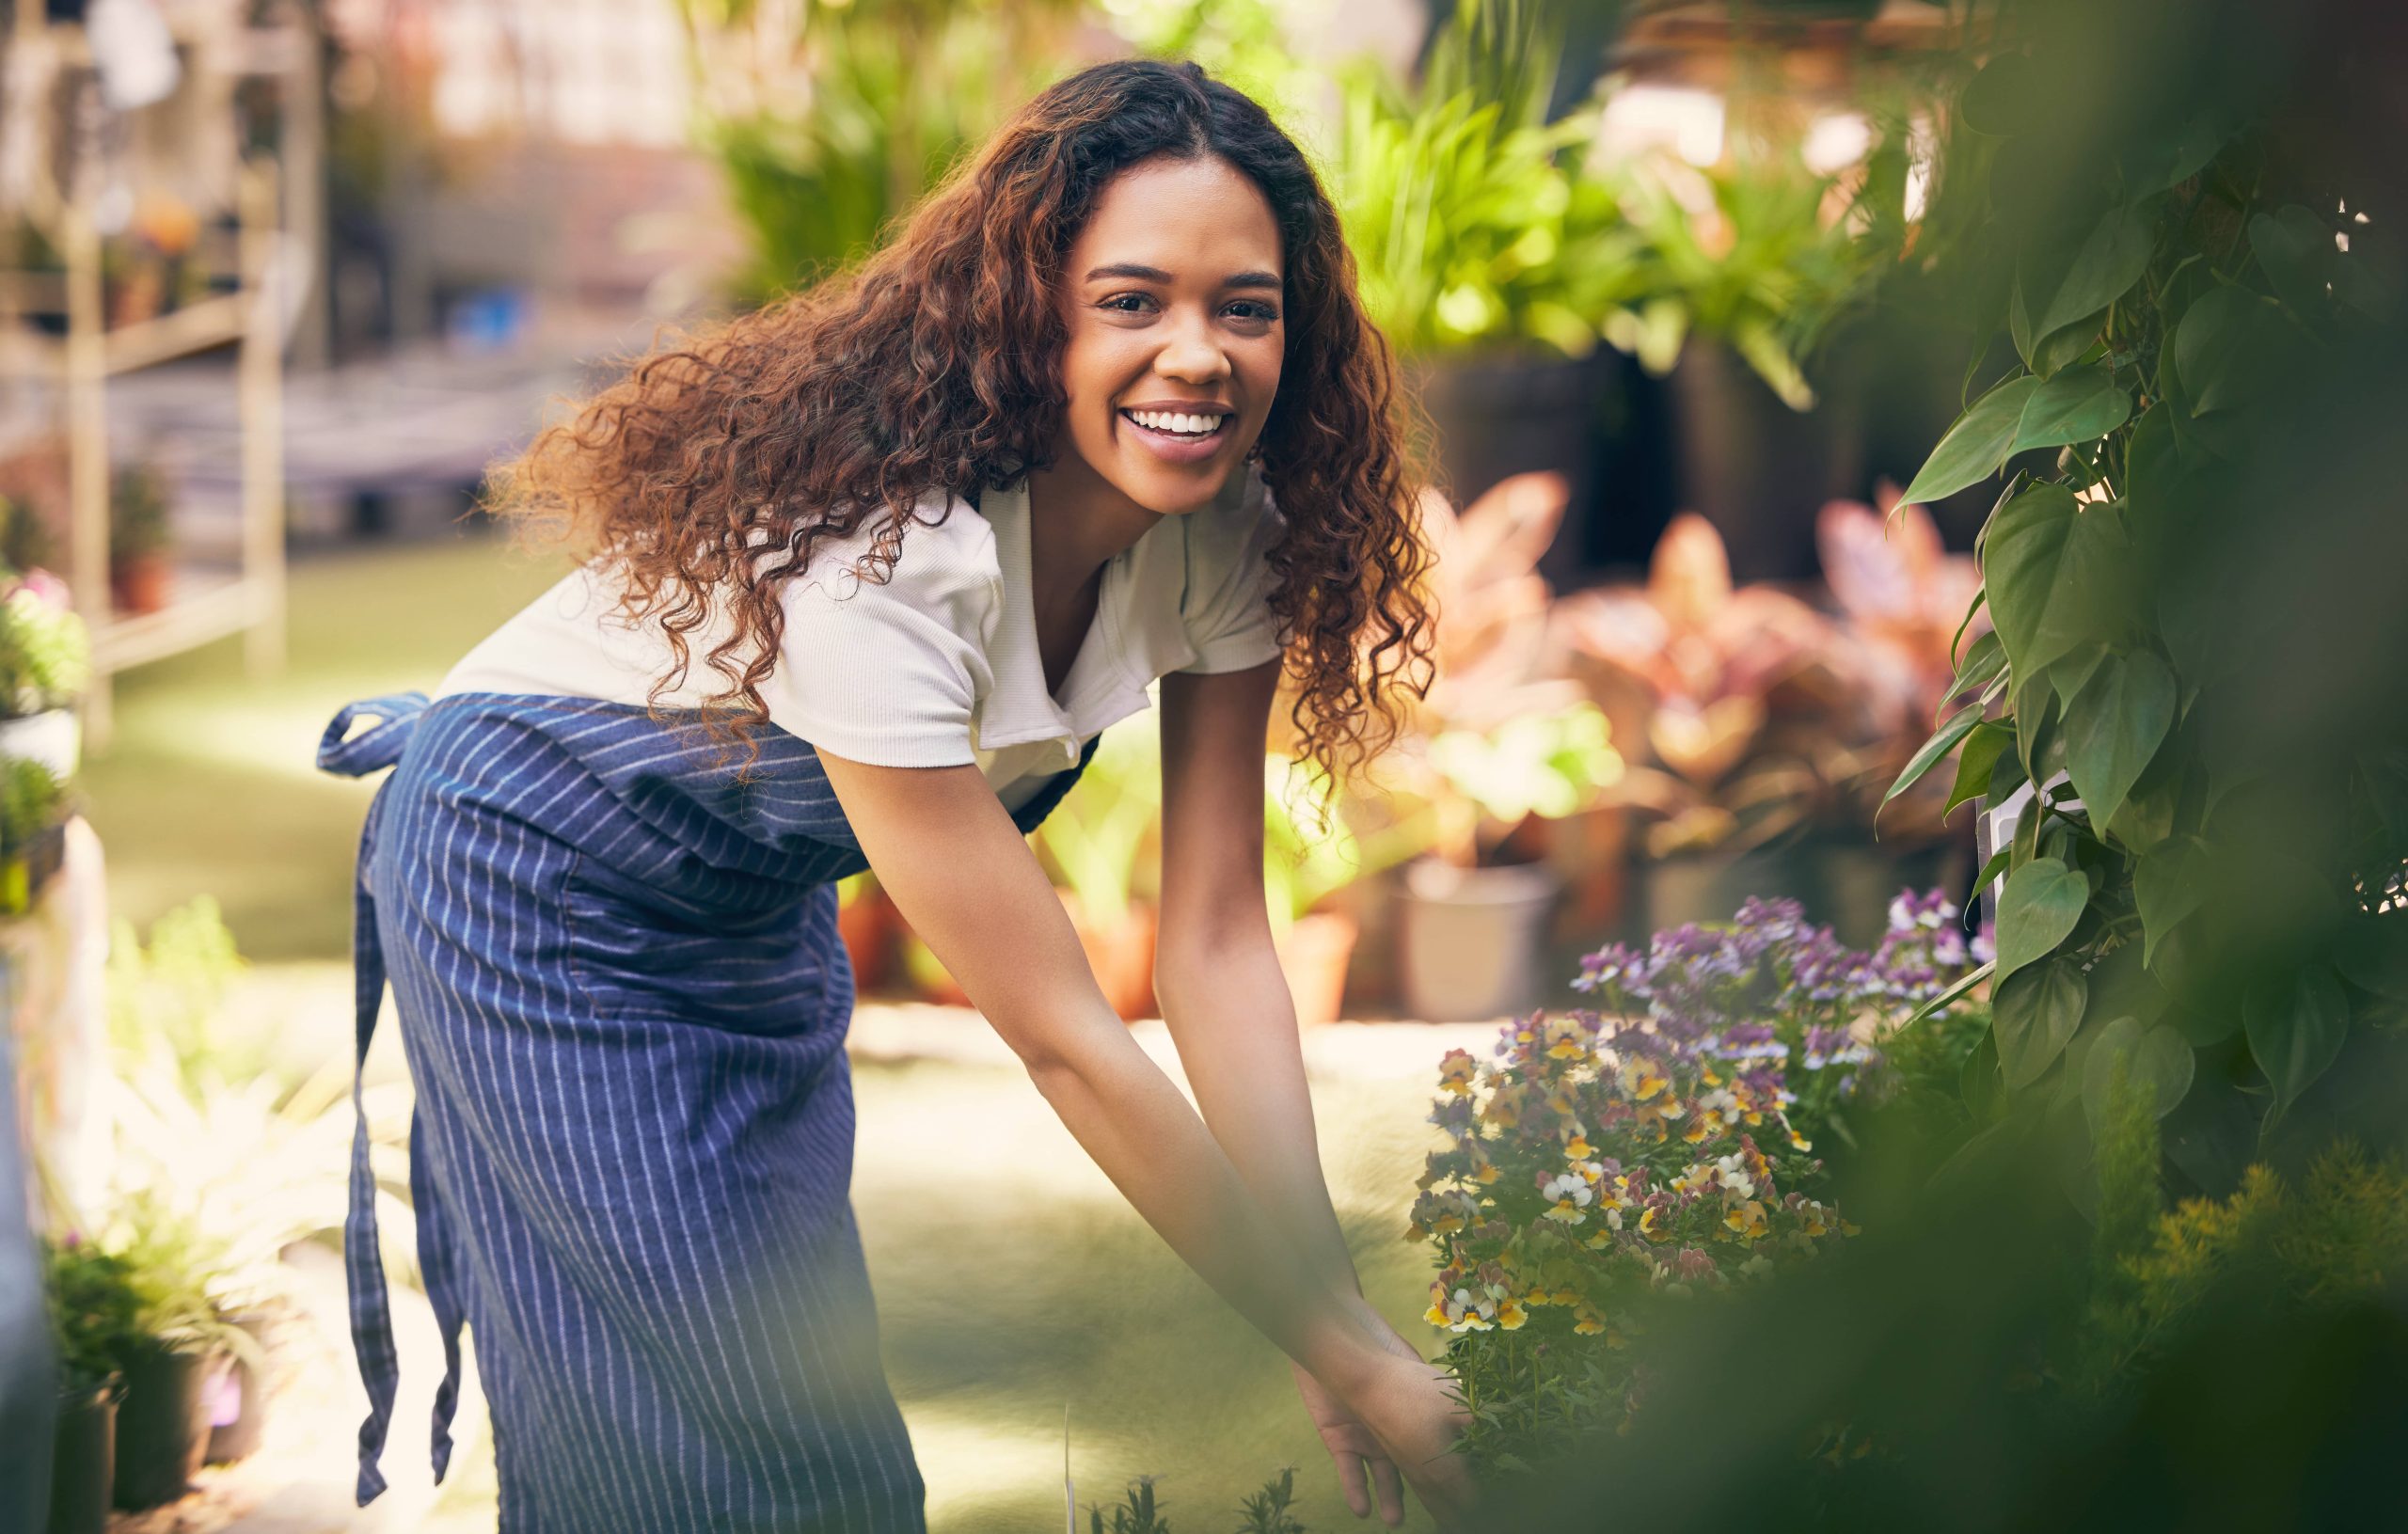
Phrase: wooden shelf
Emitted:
{"points": [[194, 328], [202, 606]]}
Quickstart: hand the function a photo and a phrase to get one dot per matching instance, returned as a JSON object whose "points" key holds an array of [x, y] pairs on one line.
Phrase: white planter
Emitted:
{"points": [[1471, 938], [54, 738]]}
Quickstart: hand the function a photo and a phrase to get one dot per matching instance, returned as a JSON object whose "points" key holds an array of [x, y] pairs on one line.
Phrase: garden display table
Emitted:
{"points": [[53, 977]]}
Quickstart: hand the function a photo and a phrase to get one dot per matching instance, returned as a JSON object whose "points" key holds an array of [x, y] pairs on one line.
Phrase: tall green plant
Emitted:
{"points": [[1469, 216], [2208, 883], [852, 117]]}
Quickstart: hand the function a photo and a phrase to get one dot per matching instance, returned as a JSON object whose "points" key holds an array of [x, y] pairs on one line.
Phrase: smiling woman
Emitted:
{"points": [[1107, 414]]}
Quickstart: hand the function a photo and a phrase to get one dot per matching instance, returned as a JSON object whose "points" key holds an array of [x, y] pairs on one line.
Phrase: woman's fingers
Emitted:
{"points": [[1391, 1490], [1351, 1478]]}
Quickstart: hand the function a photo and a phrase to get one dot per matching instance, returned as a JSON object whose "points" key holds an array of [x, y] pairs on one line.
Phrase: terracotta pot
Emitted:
{"points": [[869, 926], [139, 583], [1313, 954]]}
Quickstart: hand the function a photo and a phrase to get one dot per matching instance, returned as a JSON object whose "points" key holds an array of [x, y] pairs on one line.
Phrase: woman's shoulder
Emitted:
{"points": [[943, 563]]}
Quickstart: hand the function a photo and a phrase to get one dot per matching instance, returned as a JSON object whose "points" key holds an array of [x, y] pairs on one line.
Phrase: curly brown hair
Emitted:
{"points": [[707, 475]]}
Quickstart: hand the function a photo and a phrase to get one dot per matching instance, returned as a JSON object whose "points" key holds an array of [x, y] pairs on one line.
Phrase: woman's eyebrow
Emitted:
{"points": [[1137, 271]]}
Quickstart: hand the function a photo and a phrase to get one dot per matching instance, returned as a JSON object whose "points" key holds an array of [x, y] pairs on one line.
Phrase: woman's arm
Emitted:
{"points": [[959, 872], [1216, 972], [1226, 998]]}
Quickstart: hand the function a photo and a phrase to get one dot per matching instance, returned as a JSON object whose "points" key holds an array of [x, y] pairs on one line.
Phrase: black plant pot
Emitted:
{"points": [[161, 1430], [1757, 469], [1843, 884], [1502, 415], [83, 1469]]}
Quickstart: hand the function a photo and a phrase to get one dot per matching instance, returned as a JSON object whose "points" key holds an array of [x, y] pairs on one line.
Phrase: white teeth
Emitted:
{"points": [[1179, 421]]}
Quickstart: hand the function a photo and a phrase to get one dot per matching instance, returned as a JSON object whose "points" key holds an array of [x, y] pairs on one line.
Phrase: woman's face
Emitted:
{"points": [[1173, 296]]}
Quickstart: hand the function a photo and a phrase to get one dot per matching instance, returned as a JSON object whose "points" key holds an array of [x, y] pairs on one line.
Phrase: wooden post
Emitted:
{"points": [[260, 402], [88, 445]]}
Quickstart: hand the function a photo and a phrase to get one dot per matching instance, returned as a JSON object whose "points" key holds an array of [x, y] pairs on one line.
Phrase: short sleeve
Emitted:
{"points": [[892, 673], [1227, 612]]}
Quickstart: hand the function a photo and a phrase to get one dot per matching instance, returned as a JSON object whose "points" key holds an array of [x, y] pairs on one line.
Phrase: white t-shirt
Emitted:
{"points": [[938, 665]]}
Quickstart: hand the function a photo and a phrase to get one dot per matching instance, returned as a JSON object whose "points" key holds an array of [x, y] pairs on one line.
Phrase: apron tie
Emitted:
{"points": [[395, 719]]}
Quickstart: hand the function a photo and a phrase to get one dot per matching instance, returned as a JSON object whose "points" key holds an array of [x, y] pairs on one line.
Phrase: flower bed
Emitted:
{"points": [[1660, 1147]]}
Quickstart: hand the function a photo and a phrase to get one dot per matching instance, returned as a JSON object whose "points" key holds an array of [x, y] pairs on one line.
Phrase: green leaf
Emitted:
{"points": [[2067, 347], [2114, 726], [1984, 659], [2296, 250], [1947, 997], [2042, 901], [2152, 468], [2169, 884], [1975, 448], [2110, 261], [2181, 155], [2228, 348], [1977, 1079], [2296, 1025], [1975, 762], [1983, 748], [2077, 407], [2053, 571], [2157, 1059], [2033, 1014], [2005, 97], [1942, 741], [2372, 952], [2005, 778]]}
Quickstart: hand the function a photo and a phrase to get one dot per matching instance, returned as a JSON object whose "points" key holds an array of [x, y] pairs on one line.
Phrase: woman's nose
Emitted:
{"points": [[1192, 355]]}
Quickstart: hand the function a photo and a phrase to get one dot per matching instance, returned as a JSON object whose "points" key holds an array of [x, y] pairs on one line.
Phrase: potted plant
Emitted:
{"points": [[162, 1431], [1312, 850], [1907, 616], [95, 1318], [45, 660], [1501, 739], [1486, 255], [1745, 266], [139, 537], [33, 832], [1731, 699]]}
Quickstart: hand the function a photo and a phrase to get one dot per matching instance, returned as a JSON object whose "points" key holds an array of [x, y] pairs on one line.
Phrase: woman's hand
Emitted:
{"points": [[1365, 1470], [1409, 1409]]}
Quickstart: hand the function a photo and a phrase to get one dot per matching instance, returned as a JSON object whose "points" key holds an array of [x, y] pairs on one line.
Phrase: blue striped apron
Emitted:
{"points": [[623, 1001]]}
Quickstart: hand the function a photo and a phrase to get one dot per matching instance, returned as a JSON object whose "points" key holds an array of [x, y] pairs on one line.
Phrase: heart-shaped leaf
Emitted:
{"points": [[2157, 1060], [2042, 901], [2113, 726], [2033, 1014], [2296, 1025], [2228, 348], [2110, 260], [2054, 572], [1976, 446], [2081, 404]]}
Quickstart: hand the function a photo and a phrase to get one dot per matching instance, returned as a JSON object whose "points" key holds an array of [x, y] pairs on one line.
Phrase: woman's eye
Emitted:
{"points": [[1250, 309], [1126, 303]]}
